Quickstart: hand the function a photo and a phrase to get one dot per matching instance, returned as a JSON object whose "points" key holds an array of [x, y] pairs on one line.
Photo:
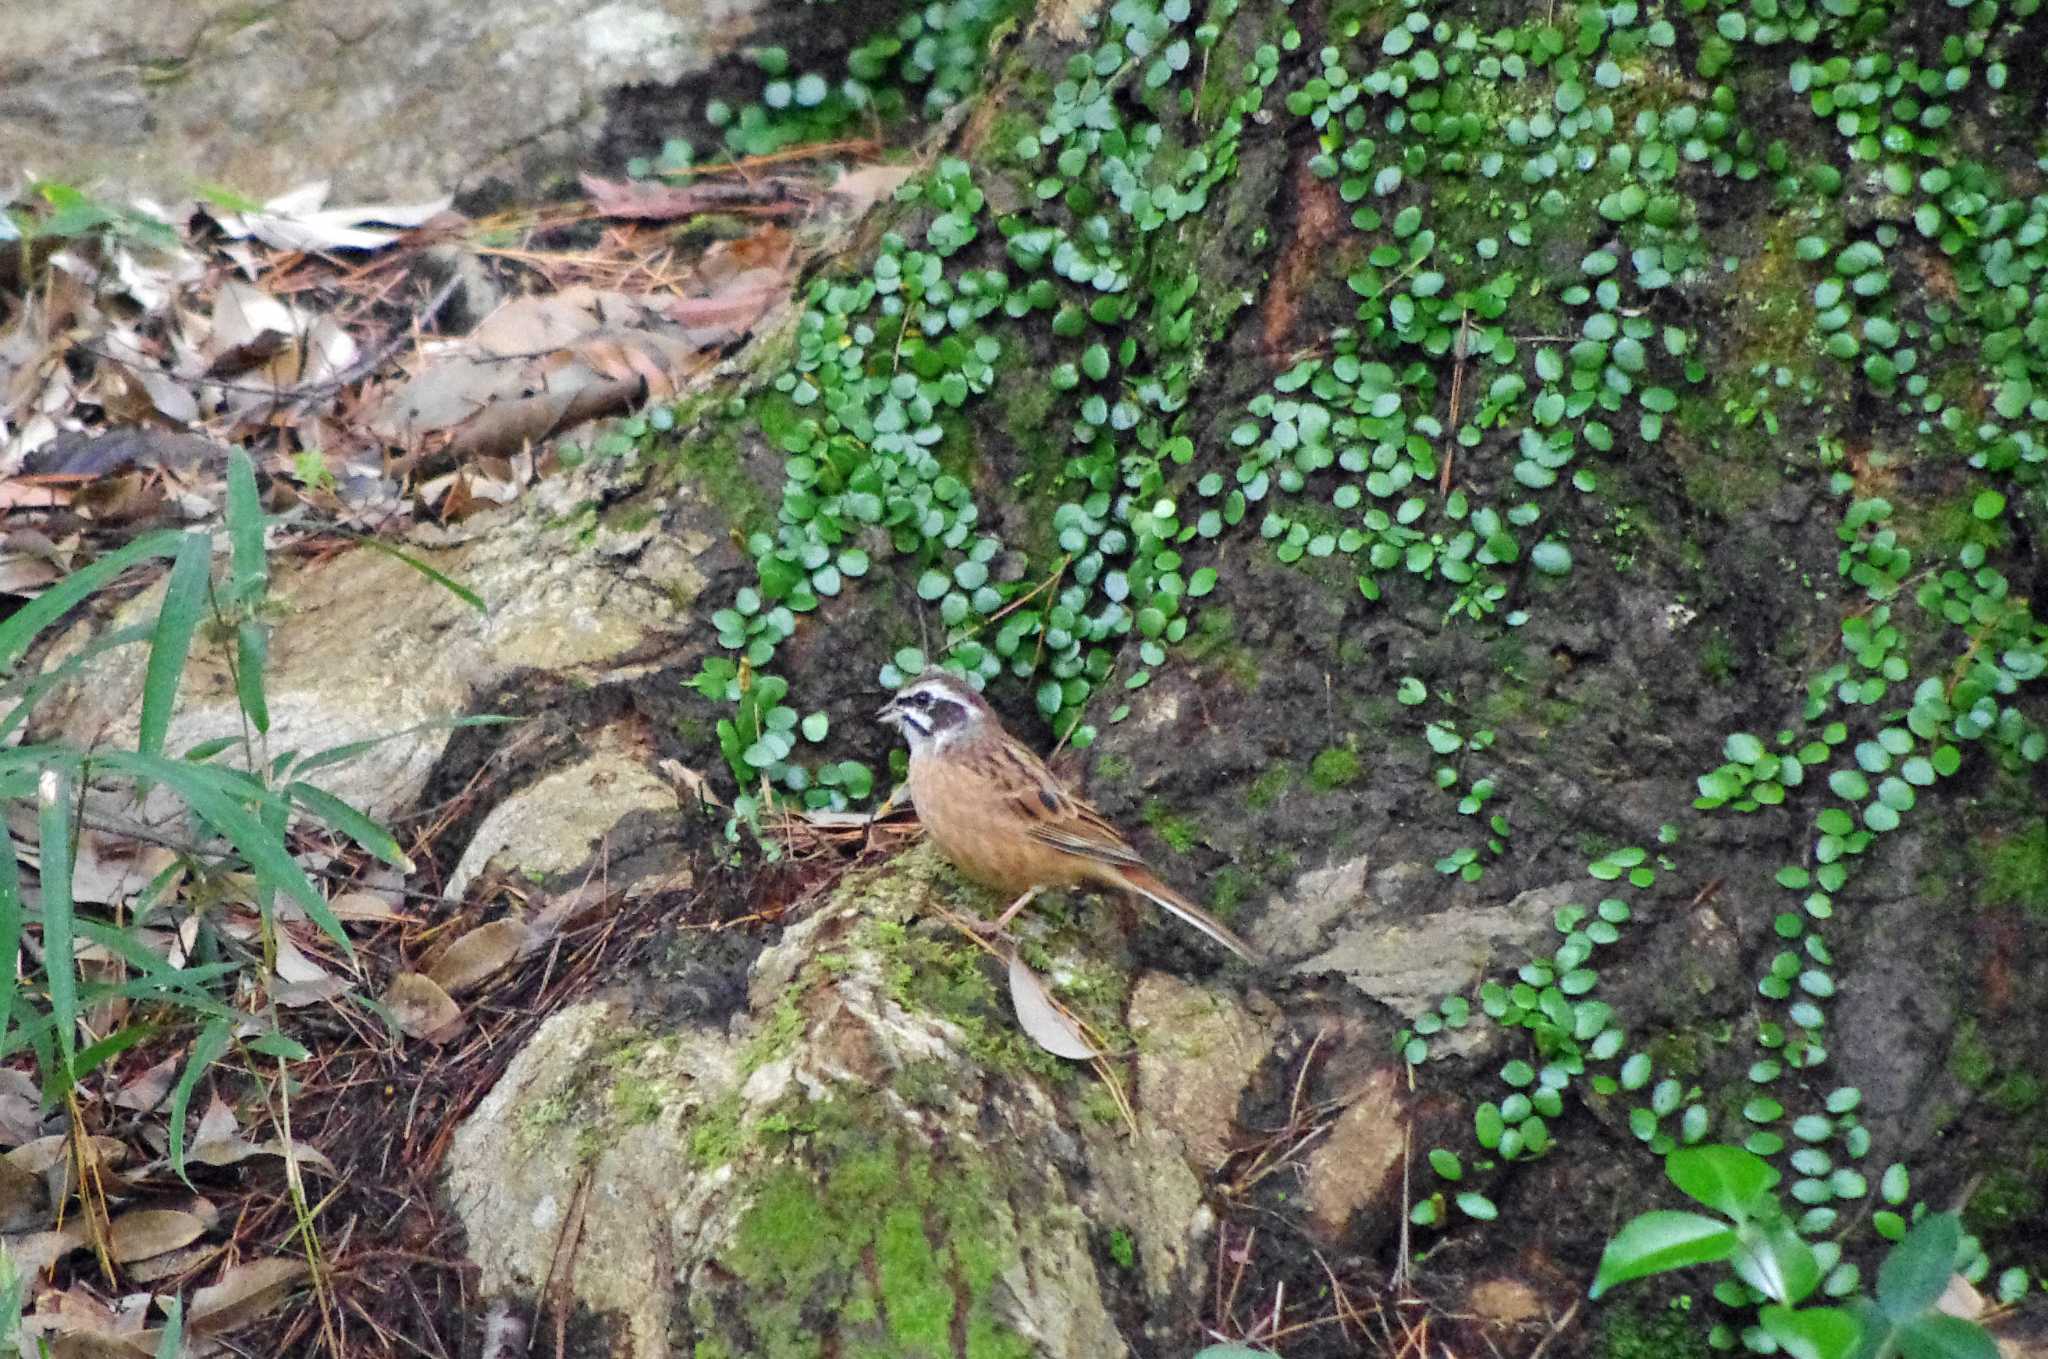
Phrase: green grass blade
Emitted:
{"points": [[53, 799], [252, 654], [92, 1057], [10, 930], [350, 822], [343, 753], [228, 782], [249, 572], [267, 857], [171, 641], [32, 692], [460, 591], [171, 1343], [206, 1048], [206, 750], [31, 618], [13, 1294]]}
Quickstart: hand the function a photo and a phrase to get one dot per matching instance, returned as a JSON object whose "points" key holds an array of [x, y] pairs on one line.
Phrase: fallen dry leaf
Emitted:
{"points": [[148, 1088], [296, 220], [859, 190], [245, 1292], [34, 1252], [1041, 1017], [152, 1231], [422, 1008], [644, 201], [365, 906], [481, 953], [23, 1200]]}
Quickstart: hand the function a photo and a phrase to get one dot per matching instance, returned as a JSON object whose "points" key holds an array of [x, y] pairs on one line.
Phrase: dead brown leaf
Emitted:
{"points": [[422, 1008], [365, 906], [152, 1231], [247, 1291], [480, 954], [640, 200]]}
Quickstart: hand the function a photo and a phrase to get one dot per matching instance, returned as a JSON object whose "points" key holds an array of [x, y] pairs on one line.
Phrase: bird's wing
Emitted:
{"points": [[1055, 816]]}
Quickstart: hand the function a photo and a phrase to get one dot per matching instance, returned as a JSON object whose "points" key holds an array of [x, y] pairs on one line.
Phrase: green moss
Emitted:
{"points": [[1270, 787], [1951, 525], [638, 1100], [775, 1038], [1122, 1249], [1213, 640], [715, 1132], [933, 975], [2007, 1198], [2018, 1094], [1631, 1332], [897, 1243], [1969, 1056], [1717, 658], [2012, 867], [1682, 1052], [1228, 887], [711, 458], [1336, 767], [1179, 832], [1112, 768]]}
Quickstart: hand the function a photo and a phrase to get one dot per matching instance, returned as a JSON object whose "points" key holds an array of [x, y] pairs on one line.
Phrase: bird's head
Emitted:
{"points": [[934, 710]]}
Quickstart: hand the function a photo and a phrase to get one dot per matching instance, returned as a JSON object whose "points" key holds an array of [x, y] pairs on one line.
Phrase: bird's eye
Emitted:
{"points": [[921, 700]]}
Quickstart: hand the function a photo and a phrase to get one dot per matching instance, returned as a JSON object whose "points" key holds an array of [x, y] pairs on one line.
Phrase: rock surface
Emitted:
{"points": [[869, 1153], [387, 99]]}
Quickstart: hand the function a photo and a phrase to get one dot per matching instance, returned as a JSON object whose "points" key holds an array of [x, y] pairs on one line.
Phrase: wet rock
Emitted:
{"points": [[870, 1148], [556, 824], [365, 647], [1197, 1048], [386, 99], [1368, 932], [1357, 1168], [1504, 1302]]}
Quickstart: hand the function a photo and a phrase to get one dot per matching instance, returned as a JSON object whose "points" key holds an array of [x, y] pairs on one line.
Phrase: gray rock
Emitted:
{"points": [[843, 1156], [388, 99]]}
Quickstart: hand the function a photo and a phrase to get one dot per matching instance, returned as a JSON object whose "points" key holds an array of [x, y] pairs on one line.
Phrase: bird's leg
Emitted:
{"points": [[995, 926]]}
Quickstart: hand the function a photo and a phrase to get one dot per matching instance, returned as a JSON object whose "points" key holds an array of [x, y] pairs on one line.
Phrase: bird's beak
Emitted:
{"points": [[886, 711]]}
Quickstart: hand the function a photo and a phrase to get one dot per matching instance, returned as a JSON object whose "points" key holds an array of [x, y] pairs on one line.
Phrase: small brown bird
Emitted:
{"points": [[997, 812]]}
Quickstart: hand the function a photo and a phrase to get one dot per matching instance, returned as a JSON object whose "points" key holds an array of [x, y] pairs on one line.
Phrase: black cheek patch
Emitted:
{"points": [[944, 715]]}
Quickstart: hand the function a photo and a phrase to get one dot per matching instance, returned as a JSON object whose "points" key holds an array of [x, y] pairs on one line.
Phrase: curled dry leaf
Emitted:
{"points": [[148, 1088], [422, 1008], [245, 1292], [219, 1142], [152, 1231], [859, 190], [21, 1100], [536, 366], [648, 202], [480, 954], [47, 1153], [23, 1201], [34, 1252], [226, 1151], [171, 1263], [217, 1121], [297, 220], [293, 965], [1045, 1019], [365, 906]]}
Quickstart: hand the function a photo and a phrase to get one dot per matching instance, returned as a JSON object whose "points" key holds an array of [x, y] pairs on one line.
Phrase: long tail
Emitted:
{"points": [[1146, 885]]}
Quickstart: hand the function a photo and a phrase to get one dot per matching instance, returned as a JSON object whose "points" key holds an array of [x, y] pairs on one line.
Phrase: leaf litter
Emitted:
{"points": [[385, 361]]}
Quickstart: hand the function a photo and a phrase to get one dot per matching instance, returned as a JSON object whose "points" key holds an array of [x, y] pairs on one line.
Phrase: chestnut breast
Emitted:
{"points": [[981, 818]]}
